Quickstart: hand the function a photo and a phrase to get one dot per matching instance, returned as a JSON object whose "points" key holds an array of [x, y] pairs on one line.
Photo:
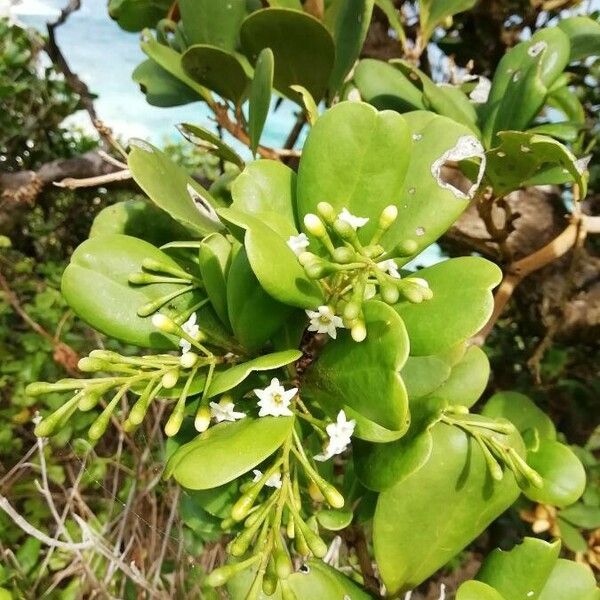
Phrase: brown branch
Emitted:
{"points": [[64, 355], [355, 536], [72, 183]]}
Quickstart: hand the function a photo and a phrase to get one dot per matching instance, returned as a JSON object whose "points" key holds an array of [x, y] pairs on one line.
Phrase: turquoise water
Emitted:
{"points": [[104, 56]]}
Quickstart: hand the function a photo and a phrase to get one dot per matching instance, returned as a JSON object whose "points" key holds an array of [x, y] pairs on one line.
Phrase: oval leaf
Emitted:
{"points": [[260, 96]]}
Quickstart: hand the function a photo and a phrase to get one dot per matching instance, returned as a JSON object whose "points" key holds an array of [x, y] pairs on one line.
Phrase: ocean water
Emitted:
{"points": [[104, 56]]}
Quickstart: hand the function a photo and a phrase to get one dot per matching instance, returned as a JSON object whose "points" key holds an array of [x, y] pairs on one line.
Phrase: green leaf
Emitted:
{"points": [[522, 80], [386, 87], [218, 70], [226, 451], [226, 380], [170, 60], [160, 87], [354, 158], [254, 315], [134, 15], [567, 102], [564, 131], [521, 412], [260, 96], [424, 374], [334, 520], [468, 379], [475, 590], [214, 259], [582, 515], [274, 263], [213, 22], [303, 49], [584, 36], [562, 472], [172, 189], [434, 12], [140, 219], [96, 287], [348, 21], [311, 109], [390, 11], [522, 570], [208, 140], [570, 581], [521, 156], [455, 313], [429, 203], [266, 189], [426, 519], [362, 378], [571, 536]]}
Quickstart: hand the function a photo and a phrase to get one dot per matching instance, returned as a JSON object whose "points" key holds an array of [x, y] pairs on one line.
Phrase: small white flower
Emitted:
{"points": [[581, 164], [224, 411], [298, 243], [192, 329], [275, 400], [324, 320], [339, 434], [481, 91], [274, 481], [389, 266], [353, 221]]}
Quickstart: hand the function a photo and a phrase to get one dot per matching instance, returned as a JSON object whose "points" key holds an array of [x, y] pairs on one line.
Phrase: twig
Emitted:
{"points": [[169, 526], [72, 183]]}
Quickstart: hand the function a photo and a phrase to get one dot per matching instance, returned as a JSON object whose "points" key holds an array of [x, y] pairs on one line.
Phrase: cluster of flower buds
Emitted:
{"points": [[354, 272], [494, 448], [270, 509]]}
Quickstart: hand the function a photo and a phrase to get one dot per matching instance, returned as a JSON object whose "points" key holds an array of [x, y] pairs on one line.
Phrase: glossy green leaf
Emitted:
{"points": [[213, 22], [564, 131], [226, 451], [363, 377], [207, 139], [521, 412], [423, 521], [380, 466], [433, 12], [429, 203], [584, 36], [254, 315], [424, 374], [140, 219], [468, 379], [274, 263], [582, 515], [522, 572], [266, 189], [218, 70], [160, 87], [354, 158], [170, 60], [570, 581], [134, 15], [386, 87], [521, 156], [522, 80], [295, 4], [214, 259], [170, 187], [571, 537], [311, 109], [567, 101], [476, 590], [455, 313], [334, 520], [303, 48], [260, 96], [348, 21], [390, 11], [227, 379], [95, 285], [562, 472]]}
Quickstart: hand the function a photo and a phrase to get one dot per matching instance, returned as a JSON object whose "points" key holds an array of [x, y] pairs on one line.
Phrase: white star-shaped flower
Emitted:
{"points": [[324, 320], [390, 267], [192, 329], [275, 400], [339, 434], [274, 481], [224, 411], [352, 220], [298, 243]]}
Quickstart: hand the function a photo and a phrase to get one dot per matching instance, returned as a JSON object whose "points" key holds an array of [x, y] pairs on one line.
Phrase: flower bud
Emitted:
{"points": [[344, 229], [406, 248], [269, 584], [327, 212], [314, 492], [352, 310], [175, 420], [202, 419], [89, 399], [141, 278], [390, 293], [169, 379], [91, 365], [219, 576], [315, 269], [283, 564], [388, 216], [165, 324], [344, 255], [314, 225], [305, 258], [188, 360], [358, 331], [333, 497], [374, 250]]}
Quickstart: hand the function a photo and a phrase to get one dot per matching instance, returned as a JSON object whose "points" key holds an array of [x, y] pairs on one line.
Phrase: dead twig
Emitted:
{"points": [[72, 183]]}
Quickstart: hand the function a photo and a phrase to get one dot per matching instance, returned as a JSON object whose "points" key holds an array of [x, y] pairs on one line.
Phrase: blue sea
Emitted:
{"points": [[104, 56]]}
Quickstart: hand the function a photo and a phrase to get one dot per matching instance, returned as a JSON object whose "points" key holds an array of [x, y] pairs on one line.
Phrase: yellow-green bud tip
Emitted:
{"points": [[314, 225], [202, 420], [388, 216], [163, 323], [188, 360], [358, 331]]}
